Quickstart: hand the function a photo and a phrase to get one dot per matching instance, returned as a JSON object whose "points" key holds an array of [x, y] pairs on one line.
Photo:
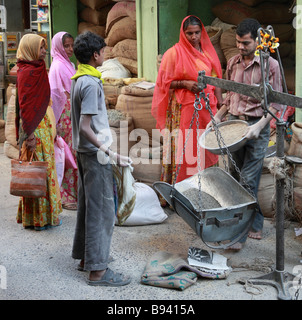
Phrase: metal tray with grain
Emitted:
{"points": [[217, 227], [233, 143]]}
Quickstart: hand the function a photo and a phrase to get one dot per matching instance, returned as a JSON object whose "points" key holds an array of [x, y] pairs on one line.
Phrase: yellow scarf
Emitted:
{"points": [[86, 69]]}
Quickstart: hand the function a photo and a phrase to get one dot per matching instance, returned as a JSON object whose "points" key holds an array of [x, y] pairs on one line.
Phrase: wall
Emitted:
{"points": [[14, 9], [64, 16]]}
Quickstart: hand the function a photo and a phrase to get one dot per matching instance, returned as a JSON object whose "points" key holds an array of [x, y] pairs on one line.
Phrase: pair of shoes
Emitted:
{"points": [[111, 279], [70, 206], [81, 268]]}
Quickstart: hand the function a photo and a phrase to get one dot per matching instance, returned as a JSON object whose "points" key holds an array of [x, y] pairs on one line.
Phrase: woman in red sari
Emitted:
{"points": [[174, 96], [35, 127]]}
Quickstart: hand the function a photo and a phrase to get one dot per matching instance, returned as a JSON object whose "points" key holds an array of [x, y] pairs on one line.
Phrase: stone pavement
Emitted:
{"points": [[38, 265]]}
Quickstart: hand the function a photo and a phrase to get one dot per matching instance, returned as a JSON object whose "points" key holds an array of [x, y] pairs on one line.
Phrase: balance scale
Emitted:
{"points": [[234, 219]]}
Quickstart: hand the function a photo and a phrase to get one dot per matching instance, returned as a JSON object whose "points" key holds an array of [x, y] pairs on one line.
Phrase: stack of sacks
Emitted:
{"points": [[146, 153], [275, 13], [121, 35], [11, 149], [2, 131], [94, 16]]}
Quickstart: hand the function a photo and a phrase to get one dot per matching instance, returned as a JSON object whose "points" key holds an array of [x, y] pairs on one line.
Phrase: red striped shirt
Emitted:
{"points": [[238, 71]]}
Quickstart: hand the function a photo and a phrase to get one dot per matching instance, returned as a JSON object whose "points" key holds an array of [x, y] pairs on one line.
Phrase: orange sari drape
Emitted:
{"points": [[182, 62]]}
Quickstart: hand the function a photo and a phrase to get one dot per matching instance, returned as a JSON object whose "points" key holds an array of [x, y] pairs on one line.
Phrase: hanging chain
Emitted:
{"points": [[221, 143]]}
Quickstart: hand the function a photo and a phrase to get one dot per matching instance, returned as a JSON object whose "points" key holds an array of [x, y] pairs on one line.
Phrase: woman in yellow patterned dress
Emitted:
{"points": [[35, 131]]}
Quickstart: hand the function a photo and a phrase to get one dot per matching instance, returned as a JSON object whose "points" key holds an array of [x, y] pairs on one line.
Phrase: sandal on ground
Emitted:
{"points": [[81, 264], [69, 206], [110, 278]]}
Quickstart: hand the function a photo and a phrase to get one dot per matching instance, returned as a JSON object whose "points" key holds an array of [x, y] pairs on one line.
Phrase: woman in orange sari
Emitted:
{"points": [[174, 96]]}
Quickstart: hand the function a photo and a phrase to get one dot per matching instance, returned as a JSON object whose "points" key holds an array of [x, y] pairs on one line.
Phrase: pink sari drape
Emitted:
{"points": [[60, 72]]}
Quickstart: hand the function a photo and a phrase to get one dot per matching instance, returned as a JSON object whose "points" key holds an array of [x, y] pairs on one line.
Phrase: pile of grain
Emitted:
{"points": [[230, 133], [207, 201]]}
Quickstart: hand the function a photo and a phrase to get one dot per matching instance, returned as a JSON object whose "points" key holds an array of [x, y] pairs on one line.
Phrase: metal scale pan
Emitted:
{"points": [[227, 223]]}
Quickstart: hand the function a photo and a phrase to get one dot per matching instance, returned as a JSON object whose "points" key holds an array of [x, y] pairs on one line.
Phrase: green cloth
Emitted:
{"points": [[86, 69], [168, 270]]}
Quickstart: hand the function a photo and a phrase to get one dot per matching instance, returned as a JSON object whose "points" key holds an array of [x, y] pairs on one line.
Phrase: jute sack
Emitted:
{"points": [[86, 26], [127, 49], [118, 11], [121, 126], [10, 151], [289, 74], [266, 194], [298, 200], [10, 126], [97, 17], [146, 163], [215, 33], [253, 3], [2, 131], [130, 64], [228, 43], [298, 176], [234, 12], [121, 30], [295, 147], [96, 4], [108, 53]]}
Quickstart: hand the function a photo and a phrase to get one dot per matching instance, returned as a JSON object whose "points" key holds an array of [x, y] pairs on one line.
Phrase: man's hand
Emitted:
{"points": [[123, 161]]}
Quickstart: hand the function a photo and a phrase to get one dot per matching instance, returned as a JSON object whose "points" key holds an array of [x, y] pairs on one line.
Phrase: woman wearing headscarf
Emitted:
{"points": [[60, 73], [174, 96], [35, 130]]}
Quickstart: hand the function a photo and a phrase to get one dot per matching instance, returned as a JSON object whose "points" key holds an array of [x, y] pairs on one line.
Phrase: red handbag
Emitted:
{"points": [[28, 178]]}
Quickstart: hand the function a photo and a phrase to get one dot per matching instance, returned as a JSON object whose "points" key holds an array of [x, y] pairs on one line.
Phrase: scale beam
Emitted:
{"points": [[254, 91]]}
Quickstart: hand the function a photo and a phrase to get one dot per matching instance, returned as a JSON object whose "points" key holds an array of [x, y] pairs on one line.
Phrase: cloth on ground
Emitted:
{"points": [[168, 270]]}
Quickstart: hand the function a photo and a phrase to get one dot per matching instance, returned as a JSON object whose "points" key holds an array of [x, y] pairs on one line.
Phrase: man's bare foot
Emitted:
{"points": [[255, 235], [236, 246]]}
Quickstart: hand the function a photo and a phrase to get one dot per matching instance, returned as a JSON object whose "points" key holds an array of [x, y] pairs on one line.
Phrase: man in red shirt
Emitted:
{"points": [[245, 68]]}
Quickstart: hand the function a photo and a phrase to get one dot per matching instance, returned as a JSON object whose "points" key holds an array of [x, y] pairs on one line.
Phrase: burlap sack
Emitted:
{"points": [[234, 12], [284, 31], [96, 4], [295, 148], [86, 26], [298, 176], [228, 43], [253, 3], [97, 17], [108, 53], [10, 126], [2, 131], [121, 130], [126, 48], [10, 151], [215, 34], [130, 64], [139, 108], [121, 30], [266, 194], [120, 10], [290, 78]]}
